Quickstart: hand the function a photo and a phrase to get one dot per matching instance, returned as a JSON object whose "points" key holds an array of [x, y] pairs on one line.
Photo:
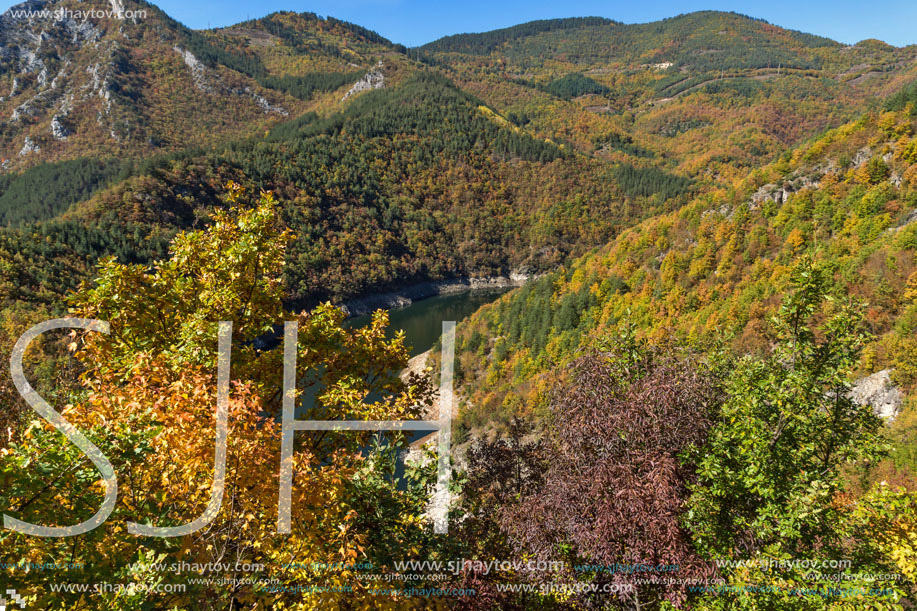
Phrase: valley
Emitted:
{"points": [[675, 251]]}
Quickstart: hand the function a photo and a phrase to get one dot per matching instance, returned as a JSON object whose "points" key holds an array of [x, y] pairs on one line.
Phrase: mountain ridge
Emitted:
{"points": [[120, 88], [537, 26], [135, 87], [459, 165]]}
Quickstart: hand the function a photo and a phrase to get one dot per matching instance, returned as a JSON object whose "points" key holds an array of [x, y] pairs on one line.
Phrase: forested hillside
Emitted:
{"points": [[713, 272], [145, 84], [465, 162], [412, 182], [711, 367], [476, 155], [711, 91], [694, 377]]}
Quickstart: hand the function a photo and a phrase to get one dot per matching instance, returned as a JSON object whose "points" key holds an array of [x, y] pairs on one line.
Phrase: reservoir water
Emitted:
{"points": [[422, 321]]}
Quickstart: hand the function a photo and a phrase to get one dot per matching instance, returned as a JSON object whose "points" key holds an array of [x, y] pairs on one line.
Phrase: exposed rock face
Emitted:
{"points": [[374, 79], [723, 211], [38, 50], [29, 147], [198, 70], [73, 83], [880, 392], [58, 129], [780, 193], [862, 156], [208, 81], [267, 106]]}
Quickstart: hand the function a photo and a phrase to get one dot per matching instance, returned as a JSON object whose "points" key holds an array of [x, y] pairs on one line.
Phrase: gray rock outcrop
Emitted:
{"points": [[374, 79], [58, 129], [29, 146], [878, 391]]}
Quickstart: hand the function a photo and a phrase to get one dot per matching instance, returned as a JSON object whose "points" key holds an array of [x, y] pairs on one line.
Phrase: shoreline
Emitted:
{"points": [[424, 290]]}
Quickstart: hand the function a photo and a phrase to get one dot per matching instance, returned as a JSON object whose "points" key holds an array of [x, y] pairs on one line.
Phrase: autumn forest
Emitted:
{"points": [[688, 382]]}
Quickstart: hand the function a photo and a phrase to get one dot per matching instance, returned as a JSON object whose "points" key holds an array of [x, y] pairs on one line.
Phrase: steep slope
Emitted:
{"points": [[715, 270], [411, 182], [419, 179], [415, 181], [142, 83], [716, 93], [290, 43]]}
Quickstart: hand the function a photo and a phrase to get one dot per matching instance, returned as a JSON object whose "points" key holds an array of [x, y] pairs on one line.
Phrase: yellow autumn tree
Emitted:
{"points": [[147, 398]]}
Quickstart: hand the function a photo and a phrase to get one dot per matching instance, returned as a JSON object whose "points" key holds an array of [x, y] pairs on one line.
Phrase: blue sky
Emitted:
{"points": [[413, 22]]}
